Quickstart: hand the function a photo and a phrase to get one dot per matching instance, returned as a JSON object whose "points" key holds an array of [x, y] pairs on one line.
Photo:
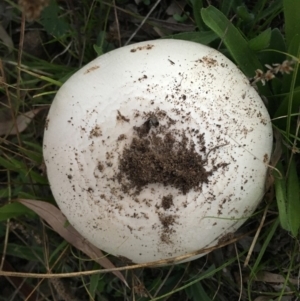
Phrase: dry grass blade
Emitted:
{"points": [[6, 39], [273, 278], [22, 121], [58, 222]]}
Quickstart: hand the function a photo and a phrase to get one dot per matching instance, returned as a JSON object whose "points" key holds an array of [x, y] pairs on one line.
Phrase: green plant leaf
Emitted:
{"points": [[13, 210], [226, 6], [293, 200], [196, 292], [280, 191], [270, 233], [291, 9], [94, 282], [32, 253], [262, 41], [37, 178], [232, 38], [12, 164], [181, 19], [52, 23], [243, 13], [197, 5]]}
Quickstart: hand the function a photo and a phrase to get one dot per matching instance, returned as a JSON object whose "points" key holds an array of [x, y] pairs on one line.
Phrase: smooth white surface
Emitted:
{"points": [[196, 86]]}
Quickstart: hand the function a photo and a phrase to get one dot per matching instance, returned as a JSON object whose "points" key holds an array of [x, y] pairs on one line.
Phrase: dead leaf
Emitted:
{"points": [[22, 121], [273, 278], [54, 217]]}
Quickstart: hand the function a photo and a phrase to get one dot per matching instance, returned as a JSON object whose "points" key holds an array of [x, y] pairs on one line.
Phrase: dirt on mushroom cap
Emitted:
{"points": [[155, 155]]}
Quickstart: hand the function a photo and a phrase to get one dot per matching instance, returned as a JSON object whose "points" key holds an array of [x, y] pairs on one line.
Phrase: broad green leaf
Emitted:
{"points": [[232, 38], [243, 13], [98, 49], [277, 43], [53, 24], [13, 210], [291, 9], [202, 37], [280, 190], [262, 41], [293, 200]]}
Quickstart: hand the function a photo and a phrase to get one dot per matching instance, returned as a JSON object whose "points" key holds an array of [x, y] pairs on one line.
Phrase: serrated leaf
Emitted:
{"points": [[293, 200]]}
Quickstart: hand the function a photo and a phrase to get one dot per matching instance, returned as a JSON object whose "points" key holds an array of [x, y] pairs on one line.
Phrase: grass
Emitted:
{"points": [[38, 54]]}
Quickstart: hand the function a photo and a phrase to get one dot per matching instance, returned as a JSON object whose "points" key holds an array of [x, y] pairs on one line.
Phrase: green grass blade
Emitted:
{"points": [[280, 190], [94, 282], [293, 200], [12, 164], [291, 9], [197, 5], [31, 253], [226, 6], [293, 49], [13, 210], [196, 292], [271, 231], [232, 38]]}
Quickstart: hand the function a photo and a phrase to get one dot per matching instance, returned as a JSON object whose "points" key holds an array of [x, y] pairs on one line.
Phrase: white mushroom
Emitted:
{"points": [[157, 149]]}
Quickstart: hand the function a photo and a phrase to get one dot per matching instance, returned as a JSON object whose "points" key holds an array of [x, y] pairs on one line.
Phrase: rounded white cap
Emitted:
{"points": [[157, 149]]}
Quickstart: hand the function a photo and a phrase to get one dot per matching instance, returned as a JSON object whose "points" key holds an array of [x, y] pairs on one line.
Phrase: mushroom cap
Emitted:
{"points": [[157, 149]]}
